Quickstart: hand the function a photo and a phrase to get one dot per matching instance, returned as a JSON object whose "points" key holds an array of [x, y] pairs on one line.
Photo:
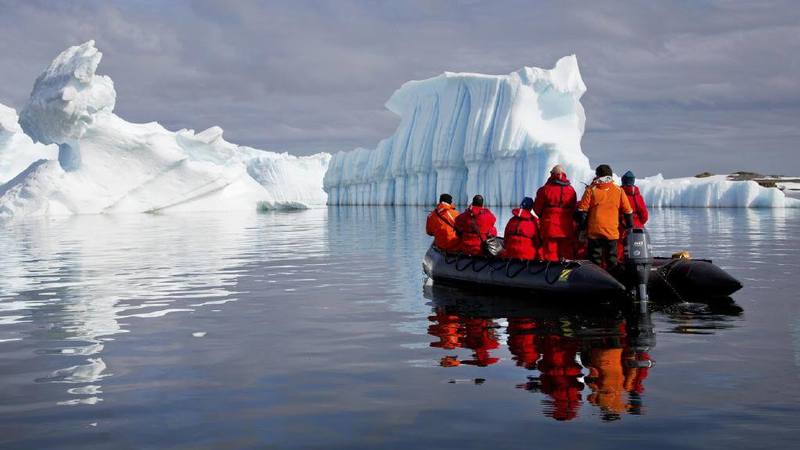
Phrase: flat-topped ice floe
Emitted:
{"points": [[714, 191], [105, 164], [499, 135]]}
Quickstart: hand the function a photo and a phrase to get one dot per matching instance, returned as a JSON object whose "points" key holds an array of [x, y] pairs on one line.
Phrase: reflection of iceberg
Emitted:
{"points": [[106, 164], [85, 279], [83, 373]]}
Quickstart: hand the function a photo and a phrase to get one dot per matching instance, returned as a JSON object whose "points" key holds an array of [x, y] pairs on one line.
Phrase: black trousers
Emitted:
{"points": [[603, 249]]}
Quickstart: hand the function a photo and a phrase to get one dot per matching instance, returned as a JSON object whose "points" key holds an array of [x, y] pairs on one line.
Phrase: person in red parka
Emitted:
{"points": [[474, 226], [521, 239], [555, 205], [640, 214]]}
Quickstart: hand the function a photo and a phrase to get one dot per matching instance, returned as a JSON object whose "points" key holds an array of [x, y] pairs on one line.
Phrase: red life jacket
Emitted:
{"points": [[521, 238], [555, 205], [640, 214], [474, 226]]}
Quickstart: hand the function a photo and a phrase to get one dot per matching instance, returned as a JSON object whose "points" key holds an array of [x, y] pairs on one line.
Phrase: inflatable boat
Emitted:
{"points": [[675, 278], [568, 278]]}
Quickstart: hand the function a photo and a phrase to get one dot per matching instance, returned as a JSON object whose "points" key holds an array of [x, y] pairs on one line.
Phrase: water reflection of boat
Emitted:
{"points": [[600, 349]]}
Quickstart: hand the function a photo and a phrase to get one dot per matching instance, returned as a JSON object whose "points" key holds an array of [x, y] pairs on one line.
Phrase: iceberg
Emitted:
{"points": [[499, 135], [715, 191], [467, 133], [105, 164], [17, 150]]}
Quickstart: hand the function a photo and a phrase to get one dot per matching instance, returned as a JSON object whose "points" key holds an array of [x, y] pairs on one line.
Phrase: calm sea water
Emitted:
{"points": [[315, 329]]}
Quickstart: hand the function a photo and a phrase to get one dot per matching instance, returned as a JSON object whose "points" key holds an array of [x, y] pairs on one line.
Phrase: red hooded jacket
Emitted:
{"points": [[636, 200], [555, 205], [521, 239], [476, 219]]}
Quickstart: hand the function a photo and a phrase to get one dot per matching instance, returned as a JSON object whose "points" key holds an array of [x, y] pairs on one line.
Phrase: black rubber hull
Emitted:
{"points": [[678, 279], [691, 279], [573, 279]]}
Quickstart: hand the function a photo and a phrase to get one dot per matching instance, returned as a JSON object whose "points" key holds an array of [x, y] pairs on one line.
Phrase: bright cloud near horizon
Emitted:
{"points": [[674, 87]]}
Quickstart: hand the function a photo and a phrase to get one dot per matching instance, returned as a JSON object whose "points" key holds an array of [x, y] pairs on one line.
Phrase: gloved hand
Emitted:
{"points": [[580, 218], [628, 221]]}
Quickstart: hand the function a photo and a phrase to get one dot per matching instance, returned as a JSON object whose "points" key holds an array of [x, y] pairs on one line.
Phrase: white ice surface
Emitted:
{"points": [[715, 191], [106, 164], [17, 150], [499, 136]]}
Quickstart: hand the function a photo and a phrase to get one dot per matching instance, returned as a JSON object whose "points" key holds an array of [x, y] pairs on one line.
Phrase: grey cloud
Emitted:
{"points": [[674, 87]]}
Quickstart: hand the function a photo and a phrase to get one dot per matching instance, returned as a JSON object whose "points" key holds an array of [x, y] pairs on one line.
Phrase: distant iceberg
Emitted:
{"points": [[714, 191], [89, 160], [467, 134]]}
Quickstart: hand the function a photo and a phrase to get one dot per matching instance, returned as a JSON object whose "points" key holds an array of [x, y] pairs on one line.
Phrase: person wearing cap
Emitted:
{"points": [[441, 224], [640, 214], [521, 238], [474, 226], [599, 212], [555, 205]]}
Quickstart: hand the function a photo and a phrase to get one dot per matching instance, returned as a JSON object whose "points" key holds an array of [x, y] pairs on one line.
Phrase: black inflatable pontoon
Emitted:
{"points": [[681, 279], [569, 278], [690, 279]]}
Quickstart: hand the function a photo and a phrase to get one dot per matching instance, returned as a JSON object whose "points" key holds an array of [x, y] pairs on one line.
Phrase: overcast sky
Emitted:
{"points": [[675, 87]]}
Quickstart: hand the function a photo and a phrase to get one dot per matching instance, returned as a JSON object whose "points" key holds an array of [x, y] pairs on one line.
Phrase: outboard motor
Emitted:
{"points": [[638, 261]]}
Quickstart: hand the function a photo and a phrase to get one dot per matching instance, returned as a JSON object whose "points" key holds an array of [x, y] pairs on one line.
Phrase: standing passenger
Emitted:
{"points": [[640, 214], [555, 206], [521, 238], [441, 224], [600, 210], [474, 226]]}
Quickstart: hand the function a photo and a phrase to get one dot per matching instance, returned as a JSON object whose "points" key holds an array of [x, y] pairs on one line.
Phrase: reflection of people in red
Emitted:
{"points": [[447, 327], [522, 342], [559, 378], [455, 331]]}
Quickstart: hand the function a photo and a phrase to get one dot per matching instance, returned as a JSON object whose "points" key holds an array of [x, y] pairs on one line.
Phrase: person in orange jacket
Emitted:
{"points": [[555, 205], [474, 226], [521, 238], [640, 213], [599, 211], [441, 224]]}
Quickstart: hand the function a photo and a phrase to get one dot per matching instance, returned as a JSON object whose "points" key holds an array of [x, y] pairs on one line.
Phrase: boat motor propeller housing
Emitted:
{"points": [[638, 261]]}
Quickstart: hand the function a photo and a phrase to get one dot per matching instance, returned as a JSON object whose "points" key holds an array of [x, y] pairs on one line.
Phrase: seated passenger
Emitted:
{"points": [[521, 239], [555, 205], [640, 214], [441, 224], [474, 226]]}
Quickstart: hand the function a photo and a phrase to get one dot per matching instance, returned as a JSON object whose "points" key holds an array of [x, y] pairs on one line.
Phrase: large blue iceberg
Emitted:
{"points": [[499, 135]]}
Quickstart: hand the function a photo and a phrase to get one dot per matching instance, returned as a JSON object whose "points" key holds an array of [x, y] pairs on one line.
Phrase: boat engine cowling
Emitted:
{"points": [[638, 262]]}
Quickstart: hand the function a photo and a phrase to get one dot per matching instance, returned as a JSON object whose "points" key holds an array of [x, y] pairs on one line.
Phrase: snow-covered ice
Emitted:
{"points": [[499, 136], [713, 191], [106, 164]]}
